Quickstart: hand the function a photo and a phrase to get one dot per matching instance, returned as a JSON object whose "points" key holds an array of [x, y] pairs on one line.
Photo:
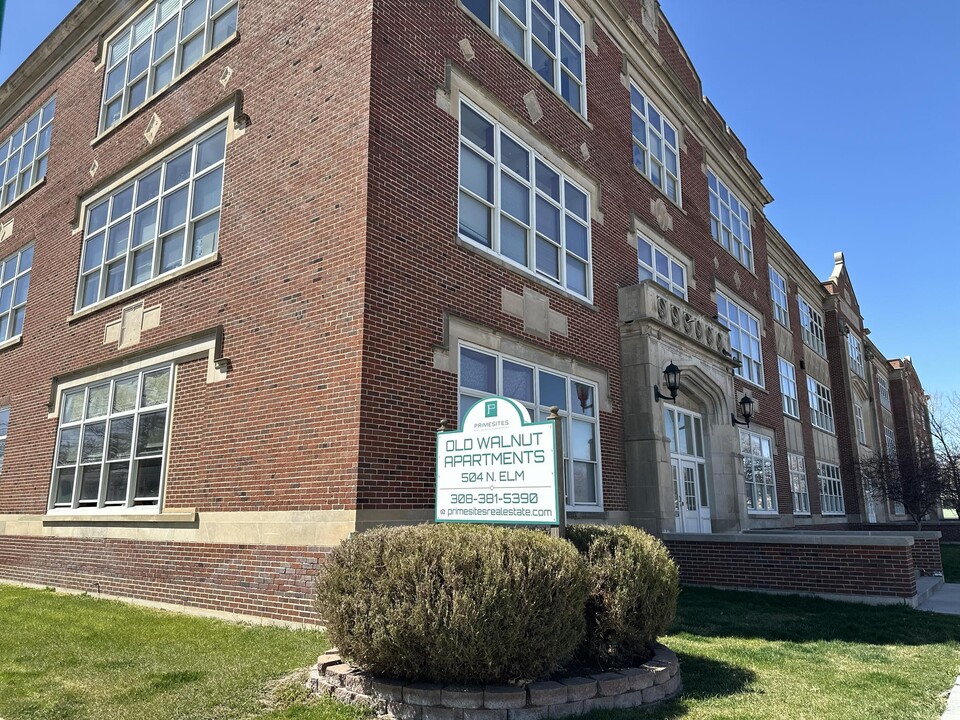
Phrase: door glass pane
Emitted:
{"points": [[670, 426], [702, 472], [682, 433]]}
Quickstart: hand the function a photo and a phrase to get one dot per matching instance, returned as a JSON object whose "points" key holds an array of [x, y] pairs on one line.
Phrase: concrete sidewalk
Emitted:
{"points": [[944, 600]]}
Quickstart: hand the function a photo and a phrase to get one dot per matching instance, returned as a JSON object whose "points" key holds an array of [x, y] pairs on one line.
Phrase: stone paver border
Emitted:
{"points": [[652, 682]]}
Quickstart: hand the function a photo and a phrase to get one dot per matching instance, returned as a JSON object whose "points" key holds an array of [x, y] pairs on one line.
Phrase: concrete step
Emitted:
{"points": [[927, 585]]}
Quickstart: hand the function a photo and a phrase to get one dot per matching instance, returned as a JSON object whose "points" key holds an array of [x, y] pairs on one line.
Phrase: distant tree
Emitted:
{"points": [[916, 481], [944, 413]]}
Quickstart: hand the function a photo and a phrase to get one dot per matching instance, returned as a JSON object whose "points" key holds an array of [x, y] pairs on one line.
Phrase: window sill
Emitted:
{"points": [[491, 256], [802, 515], [103, 135], [666, 197], [30, 190], [763, 513], [149, 285], [582, 117], [833, 514], [123, 516], [12, 342], [751, 383], [826, 432]]}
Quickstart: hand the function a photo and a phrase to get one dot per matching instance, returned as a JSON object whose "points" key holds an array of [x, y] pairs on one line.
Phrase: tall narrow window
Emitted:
{"points": [[157, 47], [111, 442], [655, 147], [821, 405], [858, 421], [23, 155], [165, 218], [788, 388], [730, 221], [778, 293], [521, 208], [883, 389], [811, 322], [484, 373], [757, 453], [855, 351], [4, 424], [547, 35], [744, 338], [798, 484], [831, 489], [14, 284], [659, 265], [890, 440]]}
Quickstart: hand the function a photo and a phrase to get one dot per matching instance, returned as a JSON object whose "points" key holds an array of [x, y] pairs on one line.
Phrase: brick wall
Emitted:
{"points": [[841, 569], [270, 581]]}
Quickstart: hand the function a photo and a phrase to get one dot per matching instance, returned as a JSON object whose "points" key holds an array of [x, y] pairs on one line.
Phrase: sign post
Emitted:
{"points": [[500, 467]]}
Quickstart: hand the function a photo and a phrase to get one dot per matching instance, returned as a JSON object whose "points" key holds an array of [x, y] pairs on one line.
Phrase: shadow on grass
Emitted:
{"points": [[728, 613]]}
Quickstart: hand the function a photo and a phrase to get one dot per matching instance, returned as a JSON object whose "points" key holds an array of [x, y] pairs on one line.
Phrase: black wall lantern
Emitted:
{"points": [[671, 376], [746, 409]]}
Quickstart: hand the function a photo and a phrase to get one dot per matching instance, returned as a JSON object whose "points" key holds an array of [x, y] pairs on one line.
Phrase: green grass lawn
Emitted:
{"points": [[742, 655], [951, 562]]}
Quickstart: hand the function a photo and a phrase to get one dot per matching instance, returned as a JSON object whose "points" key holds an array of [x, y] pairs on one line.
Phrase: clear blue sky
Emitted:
{"points": [[850, 109]]}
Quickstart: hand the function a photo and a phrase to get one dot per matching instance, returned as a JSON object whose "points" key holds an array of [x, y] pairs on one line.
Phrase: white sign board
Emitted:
{"points": [[498, 468]]}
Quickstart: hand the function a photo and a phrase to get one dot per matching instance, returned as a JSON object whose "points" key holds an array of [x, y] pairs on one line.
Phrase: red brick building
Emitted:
{"points": [[256, 251]]}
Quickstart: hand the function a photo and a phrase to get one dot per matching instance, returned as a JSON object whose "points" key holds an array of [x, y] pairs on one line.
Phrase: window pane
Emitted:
{"points": [[177, 170], [156, 386], [206, 192], [121, 438], [211, 150], [63, 485], [117, 474], [148, 478], [205, 234], [171, 251], [93, 436], [224, 26], [547, 259], [69, 446], [89, 483], [513, 241], [584, 483], [476, 174], [517, 382], [97, 401], [150, 433], [476, 129], [553, 391], [475, 220], [583, 445], [478, 371]]}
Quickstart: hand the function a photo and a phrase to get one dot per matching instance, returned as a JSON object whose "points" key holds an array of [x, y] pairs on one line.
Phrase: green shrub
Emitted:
{"points": [[454, 603], [634, 591]]}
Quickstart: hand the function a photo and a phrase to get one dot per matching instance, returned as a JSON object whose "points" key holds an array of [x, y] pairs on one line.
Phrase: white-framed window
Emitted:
{"points": [[655, 146], [166, 217], [744, 338], [855, 351], [730, 221], [778, 293], [798, 484], [811, 323], [788, 388], [514, 203], [158, 46], [23, 155], [662, 266], [883, 389], [757, 453], [890, 440], [858, 422], [549, 37], [821, 405], [484, 373], [4, 424], [831, 489], [14, 284], [899, 508], [111, 441]]}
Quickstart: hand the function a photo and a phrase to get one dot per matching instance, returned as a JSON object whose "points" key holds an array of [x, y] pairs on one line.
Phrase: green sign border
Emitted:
{"points": [[522, 413]]}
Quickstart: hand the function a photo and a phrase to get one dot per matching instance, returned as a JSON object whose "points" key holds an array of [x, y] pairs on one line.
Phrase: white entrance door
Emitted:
{"points": [[693, 511]]}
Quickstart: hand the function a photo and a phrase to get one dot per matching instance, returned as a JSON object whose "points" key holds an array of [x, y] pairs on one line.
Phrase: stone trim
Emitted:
{"points": [[650, 683]]}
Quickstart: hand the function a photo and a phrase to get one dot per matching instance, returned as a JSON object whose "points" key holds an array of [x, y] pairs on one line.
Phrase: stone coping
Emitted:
{"points": [[785, 538], [650, 683], [921, 534]]}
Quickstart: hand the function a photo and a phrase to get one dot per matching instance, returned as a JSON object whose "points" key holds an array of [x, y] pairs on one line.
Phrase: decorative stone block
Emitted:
{"points": [[358, 682], [601, 702], [546, 693], [652, 694], [344, 695], [389, 690], [497, 697], [403, 711], [422, 693], [568, 709], [325, 689], [665, 655], [484, 714], [442, 713], [528, 713], [671, 686], [326, 660], [639, 678], [335, 673], [579, 688], [660, 671], [462, 696], [611, 683]]}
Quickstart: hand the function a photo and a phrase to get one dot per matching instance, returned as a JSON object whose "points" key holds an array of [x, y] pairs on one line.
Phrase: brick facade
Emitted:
{"points": [[317, 349]]}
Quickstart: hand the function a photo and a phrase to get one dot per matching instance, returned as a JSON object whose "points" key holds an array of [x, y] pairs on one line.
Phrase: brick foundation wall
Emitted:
{"points": [[264, 580], [926, 555], [814, 567]]}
